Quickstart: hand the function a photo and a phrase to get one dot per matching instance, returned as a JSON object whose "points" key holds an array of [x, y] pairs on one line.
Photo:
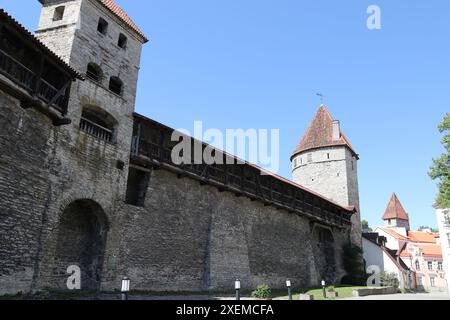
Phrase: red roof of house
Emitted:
{"points": [[426, 237], [114, 8], [428, 250], [395, 210], [395, 234], [320, 134]]}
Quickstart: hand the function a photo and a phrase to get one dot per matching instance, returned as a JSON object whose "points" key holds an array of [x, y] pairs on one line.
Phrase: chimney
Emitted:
{"points": [[336, 130]]}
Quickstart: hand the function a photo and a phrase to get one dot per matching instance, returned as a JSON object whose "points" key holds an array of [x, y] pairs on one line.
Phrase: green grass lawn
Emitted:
{"points": [[276, 294], [343, 292]]}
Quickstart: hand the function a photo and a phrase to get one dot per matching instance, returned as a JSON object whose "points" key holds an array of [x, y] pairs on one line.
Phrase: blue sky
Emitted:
{"points": [[259, 64]]}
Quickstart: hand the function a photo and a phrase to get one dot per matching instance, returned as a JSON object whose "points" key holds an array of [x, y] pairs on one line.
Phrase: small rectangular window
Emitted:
{"points": [[102, 26], [122, 41], [116, 85], [328, 156], [430, 265], [137, 186], [309, 157], [59, 13]]}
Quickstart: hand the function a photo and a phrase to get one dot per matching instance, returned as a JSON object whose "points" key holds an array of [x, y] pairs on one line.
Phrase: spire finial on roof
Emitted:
{"points": [[321, 99]]}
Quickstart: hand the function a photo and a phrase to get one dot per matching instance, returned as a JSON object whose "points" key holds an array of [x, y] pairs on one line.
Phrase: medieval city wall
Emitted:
{"points": [[190, 236], [26, 157]]}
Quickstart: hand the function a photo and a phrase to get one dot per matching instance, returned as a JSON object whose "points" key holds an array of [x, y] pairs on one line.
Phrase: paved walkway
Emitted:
{"points": [[409, 296]]}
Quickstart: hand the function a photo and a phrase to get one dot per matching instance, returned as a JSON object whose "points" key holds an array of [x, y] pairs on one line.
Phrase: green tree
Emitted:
{"points": [[421, 228], [440, 170], [364, 224]]}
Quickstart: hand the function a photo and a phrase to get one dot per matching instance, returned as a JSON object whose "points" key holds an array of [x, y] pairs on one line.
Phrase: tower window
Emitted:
{"points": [[102, 26], [328, 156], [295, 163], [94, 72], [116, 85], [137, 186], [98, 123], [122, 41], [59, 13], [309, 157]]}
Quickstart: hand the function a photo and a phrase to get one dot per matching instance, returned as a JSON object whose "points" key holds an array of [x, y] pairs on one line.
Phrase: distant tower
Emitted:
{"points": [[395, 216], [325, 162]]}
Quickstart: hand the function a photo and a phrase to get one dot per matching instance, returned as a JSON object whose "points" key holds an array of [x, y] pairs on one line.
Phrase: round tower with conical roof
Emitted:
{"points": [[325, 162]]}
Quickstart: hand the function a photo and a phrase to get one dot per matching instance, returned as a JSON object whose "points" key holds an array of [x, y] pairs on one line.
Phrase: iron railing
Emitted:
{"points": [[96, 130]]}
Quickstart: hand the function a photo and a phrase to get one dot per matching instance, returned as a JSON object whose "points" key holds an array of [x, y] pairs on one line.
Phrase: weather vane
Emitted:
{"points": [[321, 97]]}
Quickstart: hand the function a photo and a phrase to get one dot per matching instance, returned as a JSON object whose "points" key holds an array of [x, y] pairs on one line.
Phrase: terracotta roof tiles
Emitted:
{"points": [[121, 14], [394, 234], [425, 237], [428, 250], [320, 134], [395, 210]]}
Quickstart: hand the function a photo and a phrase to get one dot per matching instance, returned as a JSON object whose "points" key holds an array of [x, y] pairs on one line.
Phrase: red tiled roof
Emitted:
{"points": [[395, 210], [395, 234], [422, 236], [114, 8], [428, 250], [320, 134]]}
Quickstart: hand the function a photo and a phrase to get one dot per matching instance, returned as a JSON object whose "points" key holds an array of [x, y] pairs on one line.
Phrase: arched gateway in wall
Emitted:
{"points": [[83, 227]]}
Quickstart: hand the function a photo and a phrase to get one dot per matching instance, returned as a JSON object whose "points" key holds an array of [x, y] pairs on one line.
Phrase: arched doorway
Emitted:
{"points": [[81, 242], [325, 254]]}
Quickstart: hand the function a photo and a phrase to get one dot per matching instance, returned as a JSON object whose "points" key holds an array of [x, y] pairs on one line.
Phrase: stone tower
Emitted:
{"points": [[325, 162], [91, 155], [395, 216], [98, 39]]}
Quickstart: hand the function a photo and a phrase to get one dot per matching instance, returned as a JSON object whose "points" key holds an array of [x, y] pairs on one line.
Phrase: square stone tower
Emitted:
{"points": [[325, 162], [91, 155], [98, 39]]}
